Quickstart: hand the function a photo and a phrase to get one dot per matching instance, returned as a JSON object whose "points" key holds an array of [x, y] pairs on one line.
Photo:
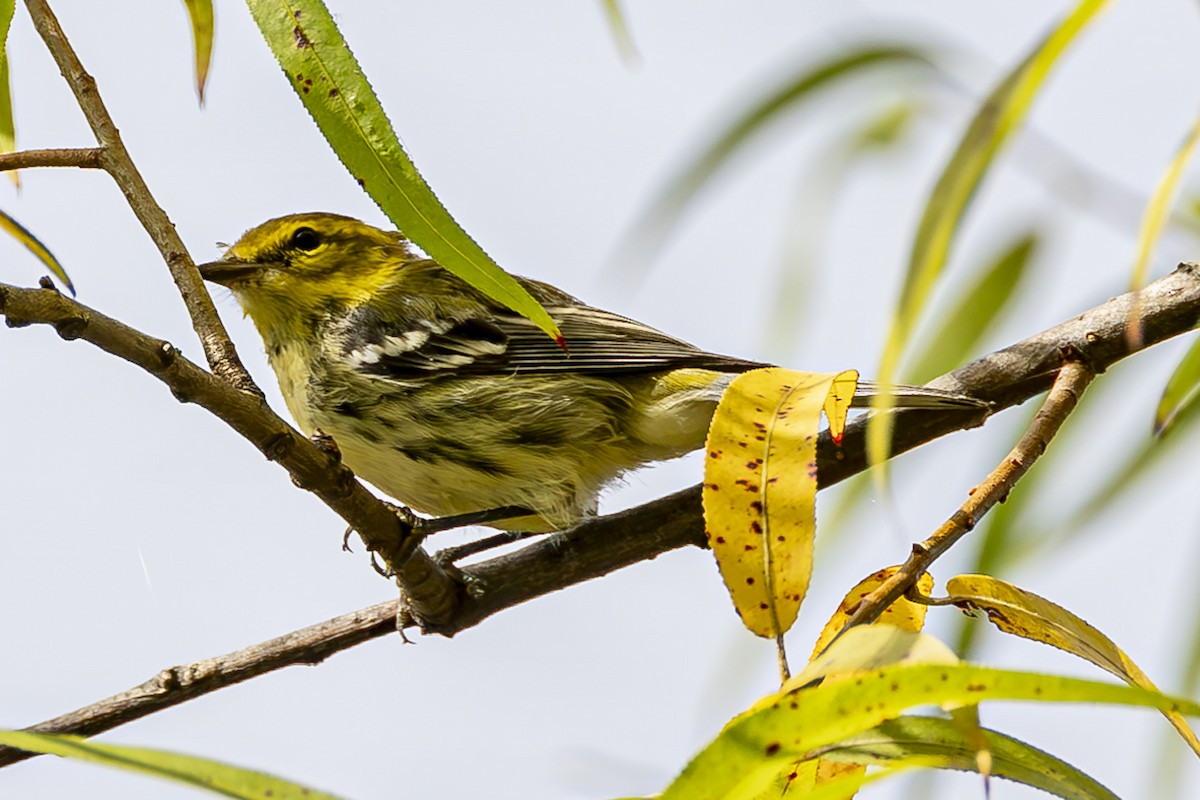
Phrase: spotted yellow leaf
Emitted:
{"points": [[1025, 614], [760, 487]]}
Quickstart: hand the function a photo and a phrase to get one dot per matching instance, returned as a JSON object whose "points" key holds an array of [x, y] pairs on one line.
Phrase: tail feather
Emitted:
{"points": [[915, 397]]}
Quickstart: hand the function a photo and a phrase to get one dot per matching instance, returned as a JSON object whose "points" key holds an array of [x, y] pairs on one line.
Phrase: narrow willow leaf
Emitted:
{"points": [[34, 245], [8, 130], [1159, 208], [760, 488], [202, 773], [838, 787], [975, 311], [620, 30], [902, 615], [896, 741], [1142, 457], [1025, 614], [750, 751], [1182, 391], [200, 14], [1000, 115], [320, 67], [812, 213], [656, 222]]}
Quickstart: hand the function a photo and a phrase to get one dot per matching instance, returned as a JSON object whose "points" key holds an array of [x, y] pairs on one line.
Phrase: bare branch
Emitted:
{"points": [[218, 348], [80, 157]]}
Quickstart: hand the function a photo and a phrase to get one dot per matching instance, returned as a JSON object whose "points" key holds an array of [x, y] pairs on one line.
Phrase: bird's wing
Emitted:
{"points": [[597, 342]]}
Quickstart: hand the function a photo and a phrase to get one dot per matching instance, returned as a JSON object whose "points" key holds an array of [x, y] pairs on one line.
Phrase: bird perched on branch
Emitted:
{"points": [[451, 403]]}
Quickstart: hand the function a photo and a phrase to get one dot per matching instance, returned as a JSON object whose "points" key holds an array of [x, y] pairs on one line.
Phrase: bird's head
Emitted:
{"points": [[289, 269]]}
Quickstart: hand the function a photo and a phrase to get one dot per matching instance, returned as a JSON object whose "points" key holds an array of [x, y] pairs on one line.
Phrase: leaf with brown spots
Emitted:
{"points": [[760, 487], [808, 723], [1025, 614], [903, 613]]}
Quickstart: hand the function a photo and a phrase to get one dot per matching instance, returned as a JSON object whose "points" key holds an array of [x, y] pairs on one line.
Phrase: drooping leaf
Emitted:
{"points": [[753, 748], [993, 125], [1141, 459], [656, 222], [1181, 393], [8, 130], [1158, 210], [818, 190], [201, 773], [35, 246], [620, 30], [320, 67], [200, 15], [1025, 614], [895, 741], [760, 486], [971, 316]]}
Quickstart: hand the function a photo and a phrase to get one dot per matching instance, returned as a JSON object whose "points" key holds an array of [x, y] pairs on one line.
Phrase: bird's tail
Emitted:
{"points": [[915, 397]]}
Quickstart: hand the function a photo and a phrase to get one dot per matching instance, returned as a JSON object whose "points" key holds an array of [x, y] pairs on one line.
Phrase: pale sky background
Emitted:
{"points": [[139, 534]]}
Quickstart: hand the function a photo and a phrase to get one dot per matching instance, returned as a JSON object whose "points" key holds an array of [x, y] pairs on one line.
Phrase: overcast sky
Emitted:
{"points": [[137, 533]]}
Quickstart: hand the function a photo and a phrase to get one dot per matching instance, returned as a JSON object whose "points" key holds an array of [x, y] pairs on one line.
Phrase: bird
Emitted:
{"points": [[451, 403]]}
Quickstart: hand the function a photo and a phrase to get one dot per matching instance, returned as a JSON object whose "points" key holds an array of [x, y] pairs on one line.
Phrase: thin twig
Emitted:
{"points": [[81, 157], [1073, 378], [218, 348], [1170, 306]]}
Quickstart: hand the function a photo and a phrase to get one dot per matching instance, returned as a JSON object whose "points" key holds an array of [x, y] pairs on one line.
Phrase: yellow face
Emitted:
{"points": [[287, 268]]}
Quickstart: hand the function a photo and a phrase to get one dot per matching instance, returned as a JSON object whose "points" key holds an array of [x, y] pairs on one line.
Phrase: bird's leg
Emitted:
{"points": [[447, 556]]}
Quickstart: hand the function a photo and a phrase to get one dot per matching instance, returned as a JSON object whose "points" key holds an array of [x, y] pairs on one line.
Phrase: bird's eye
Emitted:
{"points": [[306, 239]]}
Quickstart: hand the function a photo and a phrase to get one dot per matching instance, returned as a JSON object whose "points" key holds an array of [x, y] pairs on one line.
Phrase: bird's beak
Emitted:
{"points": [[227, 271]]}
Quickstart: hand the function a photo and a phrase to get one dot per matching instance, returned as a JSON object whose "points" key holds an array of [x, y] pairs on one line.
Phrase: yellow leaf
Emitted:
{"points": [[904, 614], [1025, 614], [760, 487]]}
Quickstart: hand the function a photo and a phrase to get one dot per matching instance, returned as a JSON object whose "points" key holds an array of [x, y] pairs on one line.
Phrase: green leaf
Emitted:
{"points": [[200, 14], [320, 67], [1159, 208], [1138, 462], [899, 741], [665, 210], [8, 131], [1182, 392], [1000, 115], [972, 315], [22, 235], [620, 31], [753, 748], [199, 772]]}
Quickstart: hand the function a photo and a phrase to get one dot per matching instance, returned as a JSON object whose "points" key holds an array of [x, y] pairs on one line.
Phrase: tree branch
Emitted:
{"points": [[1073, 378], [1170, 306], [81, 157], [115, 160]]}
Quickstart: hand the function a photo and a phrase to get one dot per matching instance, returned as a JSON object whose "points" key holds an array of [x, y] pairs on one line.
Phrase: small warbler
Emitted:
{"points": [[451, 403]]}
